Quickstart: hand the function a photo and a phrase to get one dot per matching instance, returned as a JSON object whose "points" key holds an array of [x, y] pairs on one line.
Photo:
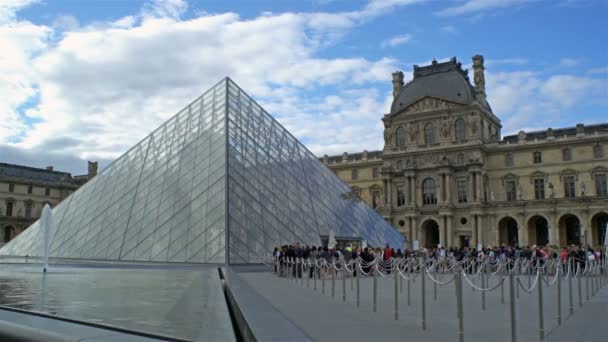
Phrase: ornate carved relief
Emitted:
{"points": [[427, 104], [473, 124], [446, 128], [413, 130]]}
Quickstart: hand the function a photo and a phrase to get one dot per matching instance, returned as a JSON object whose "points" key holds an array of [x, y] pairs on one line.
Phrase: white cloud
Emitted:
{"points": [[513, 61], [107, 85], [165, 9], [475, 6], [569, 62], [397, 40], [527, 100], [66, 22], [601, 70], [20, 41], [567, 90], [449, 29], [9, 8]]}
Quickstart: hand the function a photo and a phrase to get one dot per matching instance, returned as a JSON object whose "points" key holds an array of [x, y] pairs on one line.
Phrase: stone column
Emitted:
{"points": [[447, 188], [554, 238], [441, 230], [478, 185], [586, 236], [416, 228], [414, 191], [522, 231], [440, 198], [408, 194], [388, 190], [386, 198], [450, 237], [480, 235], [474, 232], [471, 194]]}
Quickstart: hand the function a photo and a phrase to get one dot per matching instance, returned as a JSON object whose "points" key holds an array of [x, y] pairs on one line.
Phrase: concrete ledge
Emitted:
{"points": [[256, 318], [25, 326]]}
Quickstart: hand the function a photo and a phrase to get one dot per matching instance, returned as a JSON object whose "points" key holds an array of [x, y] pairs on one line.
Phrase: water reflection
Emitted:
{"points": [[173, 302]]}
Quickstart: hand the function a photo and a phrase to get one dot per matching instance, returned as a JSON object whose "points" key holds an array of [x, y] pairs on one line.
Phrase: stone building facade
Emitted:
{"points": [[446, 176], [25, 190]]}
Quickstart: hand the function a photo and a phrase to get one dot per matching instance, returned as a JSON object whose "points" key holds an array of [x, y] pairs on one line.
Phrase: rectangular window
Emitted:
{"points": [[47, 192], [539, 188], [375, 199], [30, 189], [354, 174], [538, 158], [400, 196], [600, 185], [376, 172], [569, 187], [28, 209], [462, 191], [9, 208], [11, 188], [566, 154], [510, 185], [509, 159]]}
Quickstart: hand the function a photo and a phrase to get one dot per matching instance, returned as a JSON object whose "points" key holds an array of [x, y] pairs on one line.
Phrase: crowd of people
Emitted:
{"points": [[581, 254]]}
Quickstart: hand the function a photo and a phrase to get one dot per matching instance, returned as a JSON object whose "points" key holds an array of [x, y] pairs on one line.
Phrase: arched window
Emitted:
{"points": [[429, 134], [400, 136], [429, 192], [461, 130]]}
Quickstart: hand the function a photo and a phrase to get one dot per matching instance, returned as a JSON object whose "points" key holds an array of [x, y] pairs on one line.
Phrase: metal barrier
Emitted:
{"points": [[547, 273]]}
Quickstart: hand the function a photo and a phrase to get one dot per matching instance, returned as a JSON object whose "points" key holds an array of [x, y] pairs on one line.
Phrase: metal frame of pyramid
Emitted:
{"points": [[220, 182]]}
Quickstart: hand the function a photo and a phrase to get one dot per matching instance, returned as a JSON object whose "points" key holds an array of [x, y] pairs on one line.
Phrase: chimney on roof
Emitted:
{"points": [[49, 168], [326, 159], [479, 78], [364, 157], [92, 169], [397, 83]]}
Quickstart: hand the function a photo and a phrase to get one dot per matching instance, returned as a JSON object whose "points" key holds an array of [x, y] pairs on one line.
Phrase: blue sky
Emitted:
{"points": [[88, 79]]}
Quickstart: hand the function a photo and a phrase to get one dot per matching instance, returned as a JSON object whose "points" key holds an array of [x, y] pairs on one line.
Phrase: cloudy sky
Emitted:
{"points": [[88, 79]]}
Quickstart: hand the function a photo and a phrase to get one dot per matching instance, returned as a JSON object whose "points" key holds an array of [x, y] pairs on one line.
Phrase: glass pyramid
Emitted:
{"points": [[220, 182]]}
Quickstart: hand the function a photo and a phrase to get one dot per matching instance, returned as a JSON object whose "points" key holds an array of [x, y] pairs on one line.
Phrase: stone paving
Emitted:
{"points": [[330, 319]]}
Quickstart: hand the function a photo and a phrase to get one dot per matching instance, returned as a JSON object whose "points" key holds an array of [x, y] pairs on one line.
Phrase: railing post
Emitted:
{"points": [[502, 283], [315, 274], [344, 282], [358, 275], [512, 309], [323, 279], [333, 279], [587, 280], [559, 293], [435, 283], [375, 268], [483, 286], [458, 286], [396, 292], [423, 294], [570, 301], [541, 323], [580, 291]]}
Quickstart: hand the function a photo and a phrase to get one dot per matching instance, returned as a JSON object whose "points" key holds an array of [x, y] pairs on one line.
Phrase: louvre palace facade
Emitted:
{"points": [[447, 176]]}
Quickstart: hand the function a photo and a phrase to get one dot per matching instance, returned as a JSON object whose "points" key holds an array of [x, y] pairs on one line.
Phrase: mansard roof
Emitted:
{"points": [[558, 132], [445, 80], [27, 174]]}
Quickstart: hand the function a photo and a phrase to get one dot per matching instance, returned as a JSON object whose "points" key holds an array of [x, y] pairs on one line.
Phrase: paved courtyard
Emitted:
{"points": [[325, 318]]}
